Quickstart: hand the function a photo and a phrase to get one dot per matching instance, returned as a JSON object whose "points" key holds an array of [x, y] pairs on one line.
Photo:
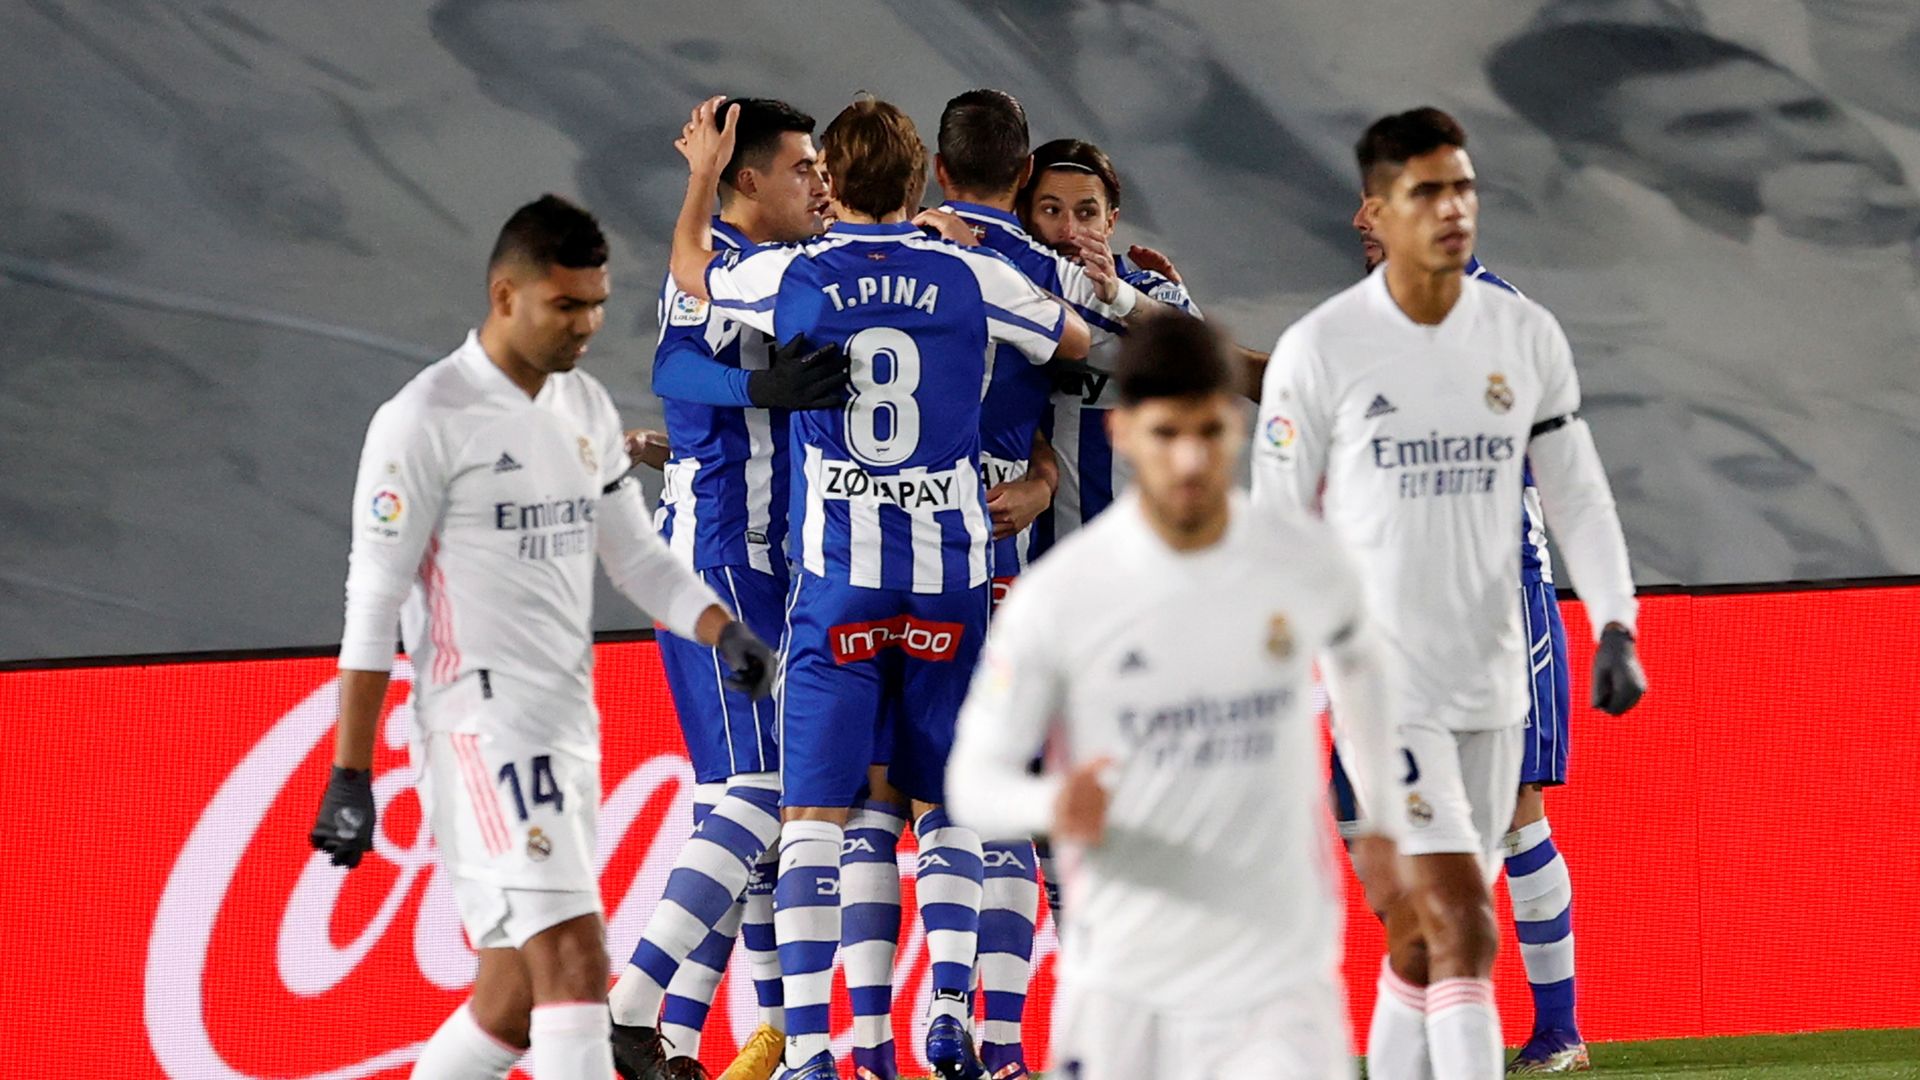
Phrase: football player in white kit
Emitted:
{"points": [[1165, 655], [1401, 410], [487, 486]]}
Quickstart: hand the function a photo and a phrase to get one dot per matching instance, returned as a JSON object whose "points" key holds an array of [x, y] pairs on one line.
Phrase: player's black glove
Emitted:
{"points": [[750, 659], [344, 829], [800, 378], [1618, 680]]}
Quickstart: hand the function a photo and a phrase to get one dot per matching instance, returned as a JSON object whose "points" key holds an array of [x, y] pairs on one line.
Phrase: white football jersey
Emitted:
{"points": [[1192, 671], [476, 518], [1410, 439]]}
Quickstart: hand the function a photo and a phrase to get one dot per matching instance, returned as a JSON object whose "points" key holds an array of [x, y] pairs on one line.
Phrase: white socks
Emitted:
{"points": [[570, 1041], [1463, 1030], [461, 1049]]}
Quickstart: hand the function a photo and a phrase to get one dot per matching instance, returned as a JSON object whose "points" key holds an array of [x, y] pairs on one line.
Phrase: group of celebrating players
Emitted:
{"points": [[879, 419]]}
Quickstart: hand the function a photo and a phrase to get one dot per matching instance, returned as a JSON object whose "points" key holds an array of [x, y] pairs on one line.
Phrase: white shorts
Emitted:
{"points": [[514, 820], [1301, 1035], [1462, 796]]}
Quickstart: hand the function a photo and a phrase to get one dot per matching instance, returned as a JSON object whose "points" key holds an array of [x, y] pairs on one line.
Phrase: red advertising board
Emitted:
{"points": [[1740, 850]]}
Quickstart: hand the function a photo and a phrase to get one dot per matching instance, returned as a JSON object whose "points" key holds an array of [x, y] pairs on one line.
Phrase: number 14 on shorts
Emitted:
{"points": [[541, 782]]}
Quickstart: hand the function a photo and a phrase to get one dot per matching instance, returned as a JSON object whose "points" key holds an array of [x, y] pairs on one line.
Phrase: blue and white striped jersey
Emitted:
{"points": [[1535, 563], [887, 491], [725, 500], [1090, 474], [1018, 394]]}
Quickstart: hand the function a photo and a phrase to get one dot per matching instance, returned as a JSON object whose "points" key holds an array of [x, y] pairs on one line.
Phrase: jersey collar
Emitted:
{"points": [[729, 235], [488, 376], [849, 231], [984, 212]]}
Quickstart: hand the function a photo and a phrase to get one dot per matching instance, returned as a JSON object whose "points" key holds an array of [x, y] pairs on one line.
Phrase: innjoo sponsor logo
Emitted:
{"points": [[923, 640], [198, 1027]]}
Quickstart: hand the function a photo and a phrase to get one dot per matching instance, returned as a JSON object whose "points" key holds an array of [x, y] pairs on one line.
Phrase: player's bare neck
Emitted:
{"points": [[855, 217], [522, 374], [1001, 201], [739, 213], [1186, 536], [1424, 296]]}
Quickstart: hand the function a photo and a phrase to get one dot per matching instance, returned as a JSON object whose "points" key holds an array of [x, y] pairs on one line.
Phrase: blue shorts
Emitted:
{"points": [[1544, 759], [726, 733], [866, 671], [1545, 745]]}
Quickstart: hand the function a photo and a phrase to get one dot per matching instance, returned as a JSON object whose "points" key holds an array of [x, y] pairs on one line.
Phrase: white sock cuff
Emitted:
{"points": [[1413, 997], [565, 1018], [1459, 993], [765, 781], [797, 832], [1526, 838], [887, 819]]}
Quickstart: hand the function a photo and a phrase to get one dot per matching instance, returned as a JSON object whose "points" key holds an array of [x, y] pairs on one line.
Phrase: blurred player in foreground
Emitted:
{"points": [[726, 391], [1412, 400], [1165, 653], [486, 487], [1537, 879]]}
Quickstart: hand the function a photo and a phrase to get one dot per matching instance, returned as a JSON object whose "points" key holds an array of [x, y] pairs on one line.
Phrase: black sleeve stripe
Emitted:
{"points": [[1554, 424], [615, 486]]}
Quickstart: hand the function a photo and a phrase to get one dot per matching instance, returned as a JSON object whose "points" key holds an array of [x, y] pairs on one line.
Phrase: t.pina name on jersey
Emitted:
{"points": [[886, 289]]}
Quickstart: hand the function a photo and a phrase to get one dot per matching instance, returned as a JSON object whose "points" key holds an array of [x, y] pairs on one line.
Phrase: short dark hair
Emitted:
{"points": [[1076, 155], [757, 132], [1172, 355], [1560, 77], [874, 157], [1391, 141], [983, 140], [550, 231]]}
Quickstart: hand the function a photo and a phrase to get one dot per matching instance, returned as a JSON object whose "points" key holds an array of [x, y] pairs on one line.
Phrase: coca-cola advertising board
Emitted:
{"points": [[1740, 849]]}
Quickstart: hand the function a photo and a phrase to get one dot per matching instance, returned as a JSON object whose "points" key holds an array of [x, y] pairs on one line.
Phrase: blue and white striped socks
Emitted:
{"points": [[1542, 894], [947, 886], [701, 895], [1009, 904], [806, 919], [870, 930], [762, 945]]}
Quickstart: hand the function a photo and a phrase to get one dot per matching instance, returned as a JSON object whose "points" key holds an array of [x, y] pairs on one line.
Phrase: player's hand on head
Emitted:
{"points": [[1618, 679], [801, 377], [344, 827], [1015, 504], [947, 225], [1147, 258], [1080, 809], [749, 658], [706, 147], [648, 447]]}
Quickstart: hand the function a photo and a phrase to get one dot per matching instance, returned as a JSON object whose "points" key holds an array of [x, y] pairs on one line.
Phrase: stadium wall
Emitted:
{"points": [[1740, 845]]}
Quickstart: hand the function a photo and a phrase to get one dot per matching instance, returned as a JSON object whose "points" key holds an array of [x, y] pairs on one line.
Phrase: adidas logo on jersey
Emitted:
{"points": [[505, 464], [1132, 662], [1380, 407]]}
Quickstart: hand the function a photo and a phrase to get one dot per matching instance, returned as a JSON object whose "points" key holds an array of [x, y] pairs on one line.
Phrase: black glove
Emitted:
{"points": [[344, 829], [1618, 680], [799, 378], [750, 659]]}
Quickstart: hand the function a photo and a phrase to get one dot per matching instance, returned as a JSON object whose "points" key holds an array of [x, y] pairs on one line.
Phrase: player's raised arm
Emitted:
{"points": [[1015, 692], [707, 148], [1292, 431], [1021, 314], [1579, 502]]}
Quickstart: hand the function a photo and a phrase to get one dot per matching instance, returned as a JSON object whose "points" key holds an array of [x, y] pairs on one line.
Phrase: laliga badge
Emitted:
{"points": [[1279, 638], [586, 455], [1499, 394], [538, 846]]}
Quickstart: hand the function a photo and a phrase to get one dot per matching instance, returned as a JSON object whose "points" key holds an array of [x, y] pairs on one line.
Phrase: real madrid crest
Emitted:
{"points": [[1499, 394], [538, 846], [1419, 814], [586, 455], [1279, 638]]}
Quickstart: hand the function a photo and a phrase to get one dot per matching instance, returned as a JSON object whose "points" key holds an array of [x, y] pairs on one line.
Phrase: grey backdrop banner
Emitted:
{"points": [[228, 232]]}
